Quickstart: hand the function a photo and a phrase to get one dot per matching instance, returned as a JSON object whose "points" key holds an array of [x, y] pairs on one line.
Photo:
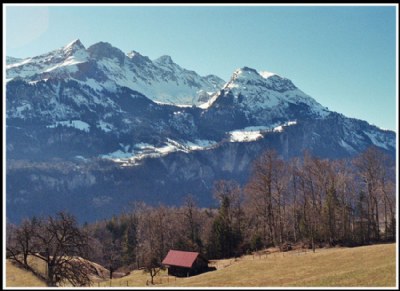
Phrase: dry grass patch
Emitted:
{"points": [[368, 266], [18, 277], [137, 278]]}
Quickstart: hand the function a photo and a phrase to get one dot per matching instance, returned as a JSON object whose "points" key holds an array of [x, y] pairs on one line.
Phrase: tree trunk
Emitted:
{"points": [[386, 224], [368, 219], [377, 235], [50, 276]]}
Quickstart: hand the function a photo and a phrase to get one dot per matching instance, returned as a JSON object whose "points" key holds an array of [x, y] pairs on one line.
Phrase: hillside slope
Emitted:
{"points": [[18, 277], [367, 266]]}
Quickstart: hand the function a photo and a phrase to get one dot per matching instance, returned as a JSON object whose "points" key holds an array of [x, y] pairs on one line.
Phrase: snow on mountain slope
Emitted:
{"points": [[259, 91], [380, 140], [133, 156], [253, 133], [93, 94], [128, 156], [60, 63], [103, 66]]}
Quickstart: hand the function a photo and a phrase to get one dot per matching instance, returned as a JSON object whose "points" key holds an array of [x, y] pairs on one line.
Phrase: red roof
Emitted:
{"points": [[180, 258]]}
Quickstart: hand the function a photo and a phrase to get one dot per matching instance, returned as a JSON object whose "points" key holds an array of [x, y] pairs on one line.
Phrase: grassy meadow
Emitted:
{"points": [[369, 266], [17, 277], [366, 266]]}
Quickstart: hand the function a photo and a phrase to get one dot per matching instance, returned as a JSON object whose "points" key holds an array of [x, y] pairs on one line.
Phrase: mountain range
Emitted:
{"points": [[94, 129]]}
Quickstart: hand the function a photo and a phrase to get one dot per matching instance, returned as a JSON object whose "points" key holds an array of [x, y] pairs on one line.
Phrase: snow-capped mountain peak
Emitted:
{"points": [[107, 67], [264, 96], [249, 76], [73, 46], [243, 76], [102, 50], [59, 63]]}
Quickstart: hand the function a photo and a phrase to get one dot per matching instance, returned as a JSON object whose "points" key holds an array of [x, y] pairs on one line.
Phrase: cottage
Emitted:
{"points": [[185, 264]]}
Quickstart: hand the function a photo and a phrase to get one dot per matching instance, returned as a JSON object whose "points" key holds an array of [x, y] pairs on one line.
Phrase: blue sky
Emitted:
{"points": [[343, 56]]}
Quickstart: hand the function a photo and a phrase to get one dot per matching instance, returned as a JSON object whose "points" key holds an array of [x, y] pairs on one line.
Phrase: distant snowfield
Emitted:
{"points": [[128, 156], [253, 133], [176, 105], [179, 93], [245, 135]]}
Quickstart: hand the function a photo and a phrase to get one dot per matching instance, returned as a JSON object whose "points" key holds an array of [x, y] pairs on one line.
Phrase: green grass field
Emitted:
{"points": [[367, 266]]}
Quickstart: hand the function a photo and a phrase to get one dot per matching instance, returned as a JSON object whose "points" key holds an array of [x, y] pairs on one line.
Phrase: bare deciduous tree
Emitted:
{"points": [[263, 195], [61, 243], [21, 241], [371, 172]]}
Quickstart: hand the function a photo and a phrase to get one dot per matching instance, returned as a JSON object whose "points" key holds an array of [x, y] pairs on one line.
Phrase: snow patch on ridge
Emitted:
{"points": [[244, 136], [145, 150], [266, 74], [253, 133]]}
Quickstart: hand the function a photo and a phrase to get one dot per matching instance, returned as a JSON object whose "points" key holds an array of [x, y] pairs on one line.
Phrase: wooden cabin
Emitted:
{"points": [[185, 264]]}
